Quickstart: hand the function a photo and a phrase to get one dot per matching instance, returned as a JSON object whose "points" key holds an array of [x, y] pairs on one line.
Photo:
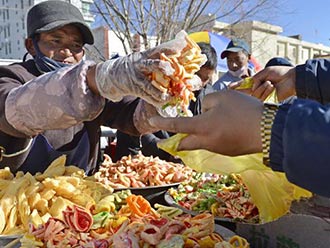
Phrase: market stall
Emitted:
{"points": [[64, 208], [208, 200]]}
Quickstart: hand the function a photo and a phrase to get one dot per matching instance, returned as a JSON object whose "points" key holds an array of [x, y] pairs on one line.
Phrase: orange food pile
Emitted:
{"points": [[185, 65], [141, 171]]}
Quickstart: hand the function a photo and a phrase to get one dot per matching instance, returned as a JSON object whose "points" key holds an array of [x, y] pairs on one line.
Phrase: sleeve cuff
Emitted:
{"points": [[276, 142]]}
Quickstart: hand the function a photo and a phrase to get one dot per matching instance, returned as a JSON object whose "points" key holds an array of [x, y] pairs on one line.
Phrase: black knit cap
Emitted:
{"points": [[50, 15]]}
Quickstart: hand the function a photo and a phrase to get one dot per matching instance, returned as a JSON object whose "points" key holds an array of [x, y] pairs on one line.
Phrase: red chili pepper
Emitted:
{"points": [[159, 223]]}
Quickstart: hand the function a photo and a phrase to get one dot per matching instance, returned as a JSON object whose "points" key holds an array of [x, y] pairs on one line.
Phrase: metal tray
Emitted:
{"points": [[10, 241], [149, 191]]}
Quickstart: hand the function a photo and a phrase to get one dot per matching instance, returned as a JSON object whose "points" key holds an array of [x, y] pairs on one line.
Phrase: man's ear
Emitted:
{"points": [[30, 47]]}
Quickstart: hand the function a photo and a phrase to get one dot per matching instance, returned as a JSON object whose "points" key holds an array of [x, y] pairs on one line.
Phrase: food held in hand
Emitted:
{"points": [[183, 81]]}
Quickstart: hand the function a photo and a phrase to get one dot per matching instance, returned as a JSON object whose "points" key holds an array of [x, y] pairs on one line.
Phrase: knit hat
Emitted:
{"points": [[51, 15]]}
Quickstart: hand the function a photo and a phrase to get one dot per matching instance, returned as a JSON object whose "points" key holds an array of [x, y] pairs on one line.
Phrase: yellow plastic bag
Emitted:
{"points": [[271, 191]]}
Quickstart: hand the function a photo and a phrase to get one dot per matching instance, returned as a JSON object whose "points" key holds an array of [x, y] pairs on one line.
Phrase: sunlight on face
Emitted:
{"points": [[236, 60], [64, 44]]}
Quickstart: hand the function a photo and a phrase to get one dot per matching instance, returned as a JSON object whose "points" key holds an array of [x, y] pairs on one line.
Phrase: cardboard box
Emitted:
{"points": [[308, 226]]}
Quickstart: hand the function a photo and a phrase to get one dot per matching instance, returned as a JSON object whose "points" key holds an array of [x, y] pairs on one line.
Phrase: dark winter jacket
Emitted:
{"points": [[300, 140], [90, 113]]}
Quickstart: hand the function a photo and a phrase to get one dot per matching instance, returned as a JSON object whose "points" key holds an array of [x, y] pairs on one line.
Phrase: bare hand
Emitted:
{"points": [[282, 78], [230, 125]]}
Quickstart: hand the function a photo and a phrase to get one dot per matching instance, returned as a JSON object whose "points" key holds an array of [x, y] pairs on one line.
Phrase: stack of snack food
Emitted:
{"points": [[136, 224], [27, 199], [225, 196], [63, 208], [181, 81], [140, 171]]}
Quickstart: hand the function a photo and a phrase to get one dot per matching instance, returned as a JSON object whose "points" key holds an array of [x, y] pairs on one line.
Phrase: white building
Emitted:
{"points": [[265, 39], [13, 25], [266, 42]]}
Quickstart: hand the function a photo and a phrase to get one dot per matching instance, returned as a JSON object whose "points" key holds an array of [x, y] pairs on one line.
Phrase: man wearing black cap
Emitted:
{"points": [[238, 55], [55, 103]]}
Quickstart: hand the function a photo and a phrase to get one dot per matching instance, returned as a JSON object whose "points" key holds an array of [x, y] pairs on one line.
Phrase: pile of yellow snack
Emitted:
{"points": [[25, 198], [48, 208]]}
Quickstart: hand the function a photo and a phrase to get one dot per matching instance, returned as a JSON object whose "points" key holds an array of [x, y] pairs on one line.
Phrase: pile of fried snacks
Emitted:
{"points": [[27, 199], [140, 171], [130, 227], [180, 83], [225, 196]]}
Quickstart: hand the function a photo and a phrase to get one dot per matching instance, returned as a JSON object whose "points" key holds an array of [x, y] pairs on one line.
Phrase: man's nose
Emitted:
{"points": [[66, 50]]}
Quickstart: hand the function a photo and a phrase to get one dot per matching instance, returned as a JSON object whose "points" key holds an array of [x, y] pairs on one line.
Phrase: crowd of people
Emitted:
{"points": [[55, 103]]}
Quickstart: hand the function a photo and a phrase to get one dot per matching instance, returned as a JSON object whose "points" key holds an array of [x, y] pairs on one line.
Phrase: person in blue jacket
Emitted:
{"points": [[293, 136]]}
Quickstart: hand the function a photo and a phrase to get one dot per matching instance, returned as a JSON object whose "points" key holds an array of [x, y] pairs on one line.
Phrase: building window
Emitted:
{"points": [[305, 53], [292, 53], [280, 50], [85, 8]]}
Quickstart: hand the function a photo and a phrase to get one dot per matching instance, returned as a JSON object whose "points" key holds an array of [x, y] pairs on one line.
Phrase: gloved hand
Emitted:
{"points": [[128, 75], [142, 114]]}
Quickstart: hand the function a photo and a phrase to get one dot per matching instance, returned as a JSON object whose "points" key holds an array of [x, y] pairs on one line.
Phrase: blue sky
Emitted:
{"points": [[311, 19]]}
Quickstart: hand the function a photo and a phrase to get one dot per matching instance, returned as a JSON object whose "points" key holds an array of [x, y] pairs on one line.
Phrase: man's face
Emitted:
{"points": [[236, 60], [205, 74], [63, 45]]}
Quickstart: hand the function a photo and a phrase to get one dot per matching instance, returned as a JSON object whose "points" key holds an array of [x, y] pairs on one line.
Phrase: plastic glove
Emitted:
{"points": [[142, 115], [127, 75]]}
